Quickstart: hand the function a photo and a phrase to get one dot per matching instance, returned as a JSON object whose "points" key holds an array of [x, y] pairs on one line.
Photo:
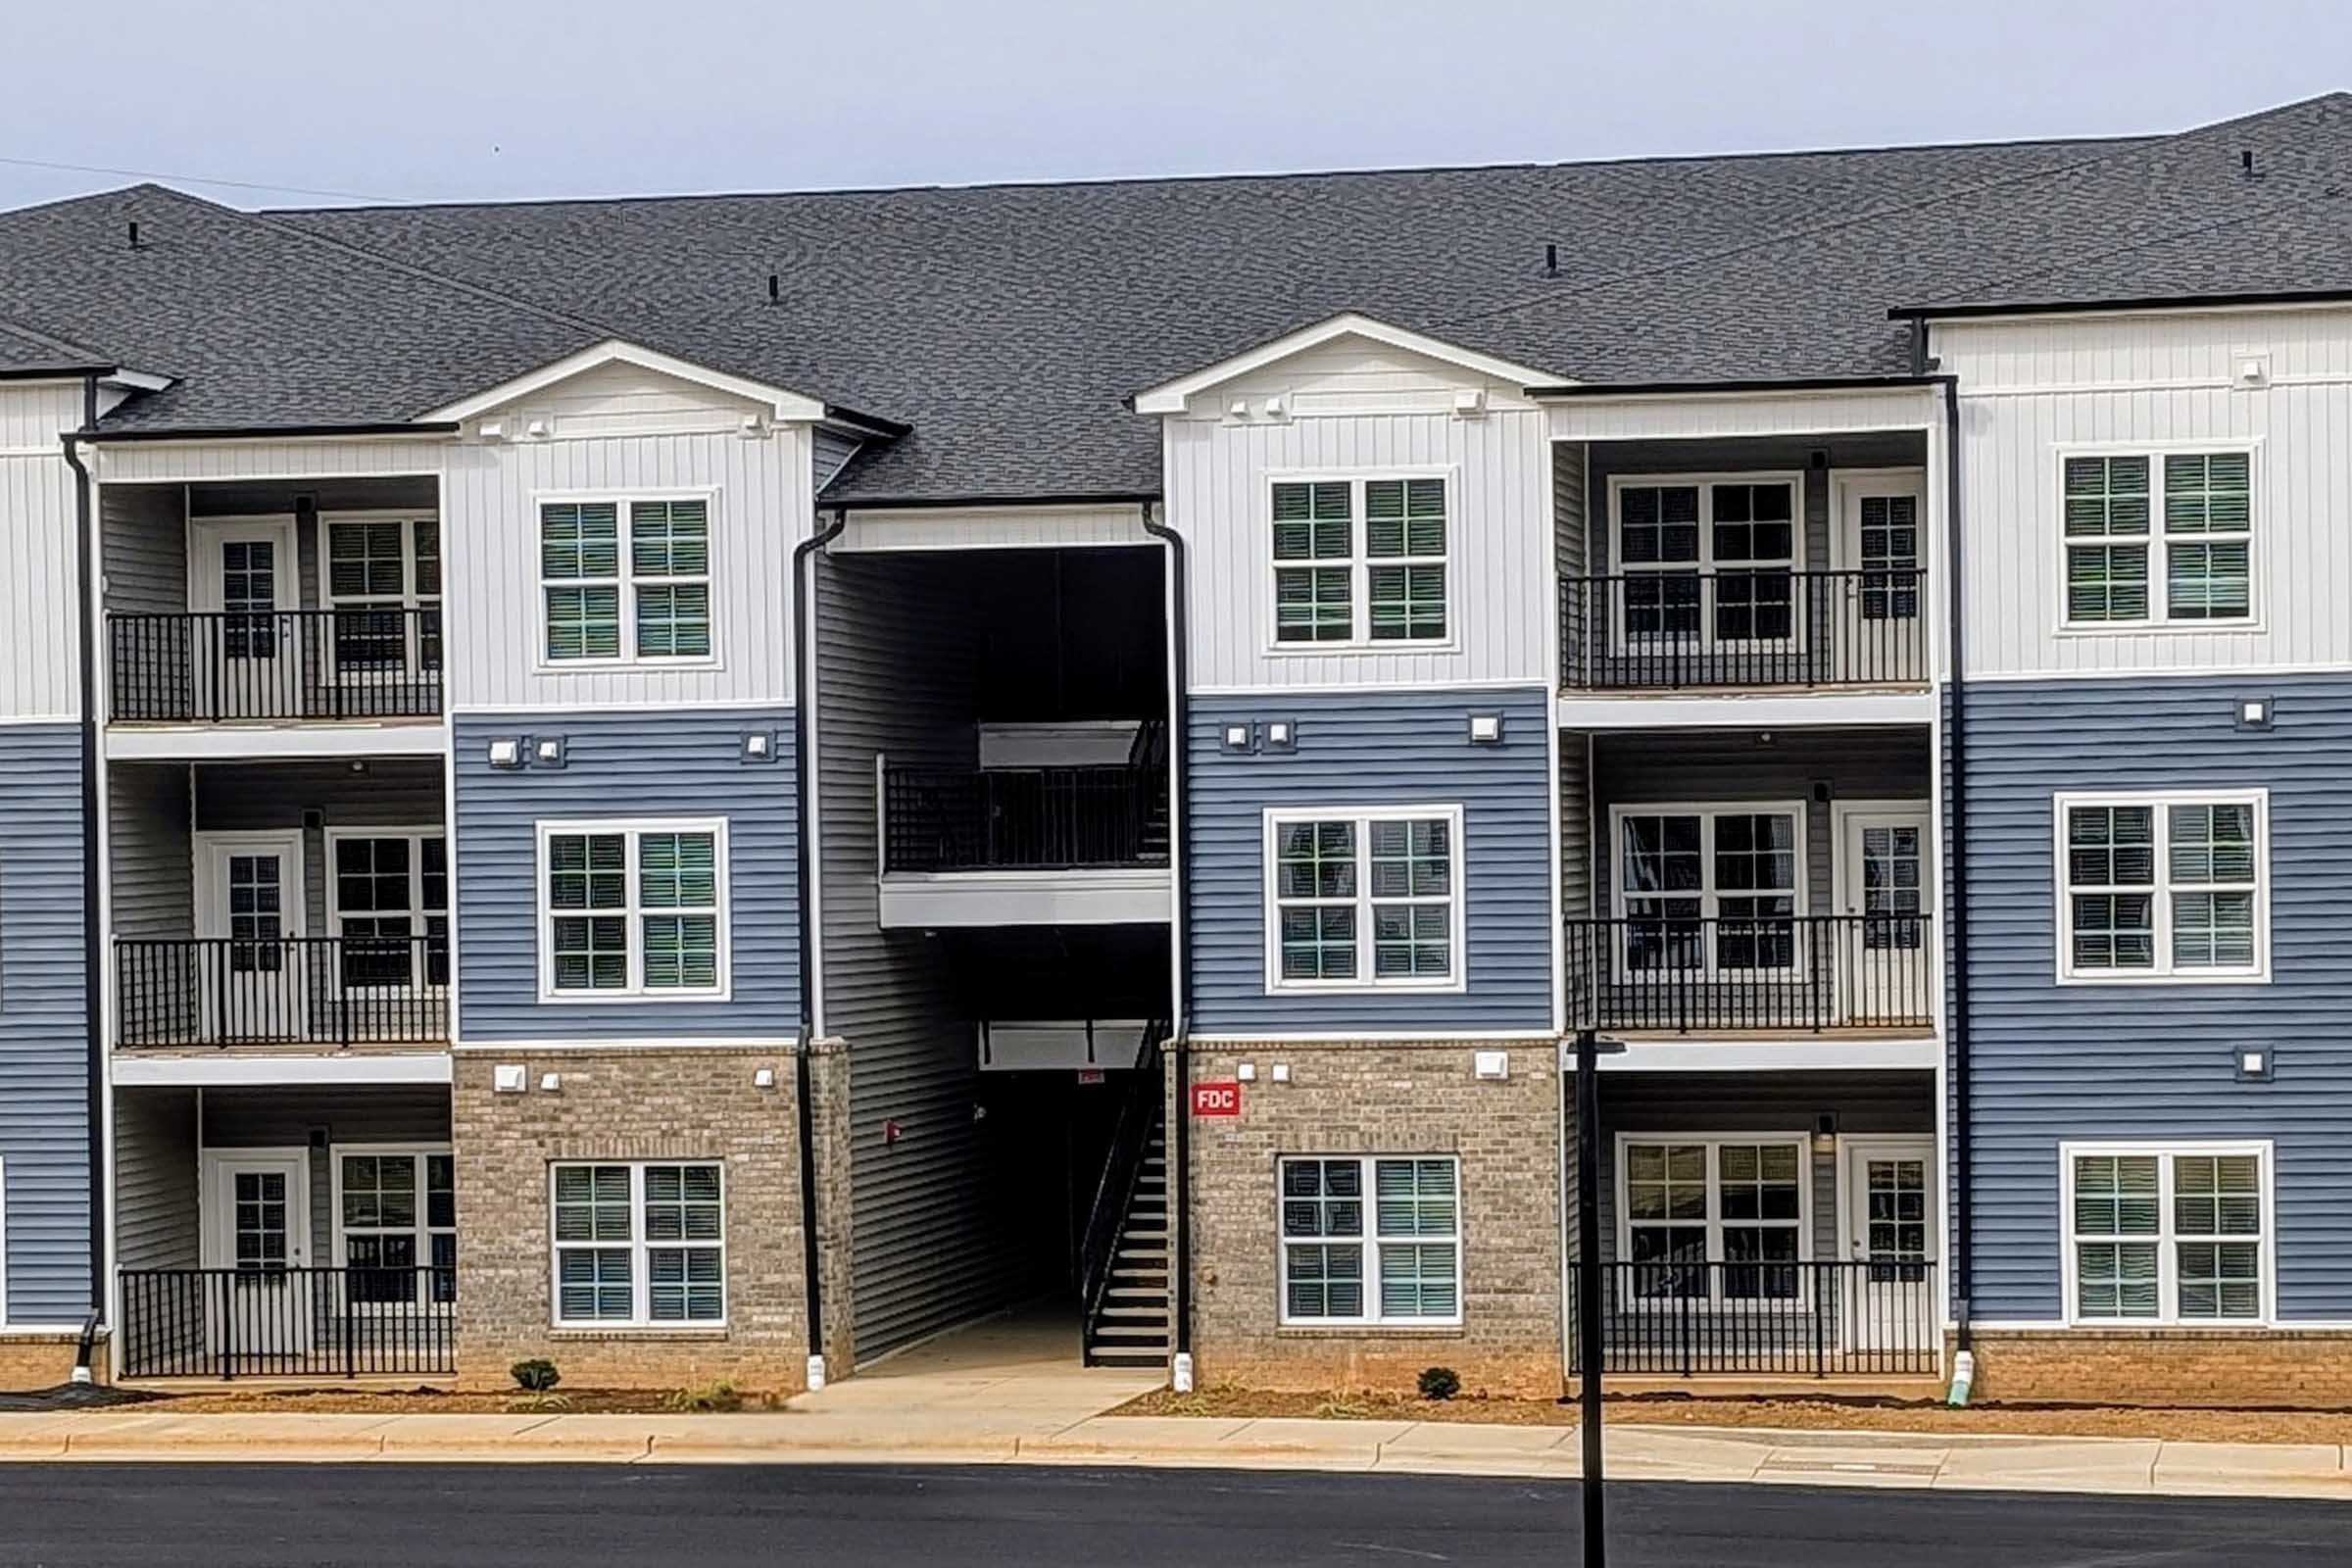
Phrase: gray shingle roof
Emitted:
{"points": [[1008, 323]]}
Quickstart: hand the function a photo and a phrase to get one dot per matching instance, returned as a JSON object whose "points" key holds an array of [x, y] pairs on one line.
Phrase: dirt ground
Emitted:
{"points": [[432, 1401], [1855, 1415]]}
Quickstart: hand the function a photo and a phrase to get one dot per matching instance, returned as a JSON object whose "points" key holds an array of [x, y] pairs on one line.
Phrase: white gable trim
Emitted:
{"points": [[785, 406], [1172, 397]]}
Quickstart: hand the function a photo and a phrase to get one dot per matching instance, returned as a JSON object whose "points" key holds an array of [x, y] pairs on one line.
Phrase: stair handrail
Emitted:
{"points": [[1122, 1169]]}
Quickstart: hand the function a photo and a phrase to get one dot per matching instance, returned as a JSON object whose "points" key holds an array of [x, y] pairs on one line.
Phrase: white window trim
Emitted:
{"points": [[1781, 1138], [409, 598], [423, 1231], [641, 1316], [1458, 901], [1359, 563], [624, 503], [2159, 616], [2168, 1269], [633, 829], [1710, 898], [1370, 1241], [1705, 566], [2163, 971], [416, 912]]}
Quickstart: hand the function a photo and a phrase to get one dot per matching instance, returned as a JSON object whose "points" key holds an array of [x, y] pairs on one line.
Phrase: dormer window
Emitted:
{"points": [[625, 580], [1360, 561]]}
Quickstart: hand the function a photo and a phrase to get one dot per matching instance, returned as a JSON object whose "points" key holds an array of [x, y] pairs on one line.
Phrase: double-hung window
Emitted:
{"points": [[633, 910], [1712, 1217], [397, 1215], [2158, 538], [1360, 561], [382, 581], [1364, 898], [1707, 560], [640, 1245], [625, 582], [388, 904], [1371, 1241], [2167, 1235], [2164, 886], [1709, 888]]}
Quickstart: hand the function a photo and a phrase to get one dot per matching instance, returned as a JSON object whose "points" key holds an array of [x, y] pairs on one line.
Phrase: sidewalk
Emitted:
{"points": [[978, 1434]]}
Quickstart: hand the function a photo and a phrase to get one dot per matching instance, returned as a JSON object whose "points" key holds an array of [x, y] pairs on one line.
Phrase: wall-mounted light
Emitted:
{"points": [[550, 1082], [2255, 712], [1470, 402], [1247, 1072], [1274, 407], [1493, 1065], [1824, 1134], [1235, 738], [536, 430], [1281, 735], [508, 1079], [2255, 1064], [1485, 730], [753, 427], [547, 750], [505, 752], [763, 1078], [1282, 1072], [1238, 408], [491, 430], [758, 746], [2252, 371]]}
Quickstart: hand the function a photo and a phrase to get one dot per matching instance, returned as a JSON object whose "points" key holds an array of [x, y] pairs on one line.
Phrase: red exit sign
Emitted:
{"points": [[1217, 1099]]}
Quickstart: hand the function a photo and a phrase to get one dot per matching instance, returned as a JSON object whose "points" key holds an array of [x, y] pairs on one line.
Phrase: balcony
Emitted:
{"points": [[1762, 1318], [314, 991], [1786, 974], [1024, 846], [1751, 628], [274, 665], [288, 1322]]}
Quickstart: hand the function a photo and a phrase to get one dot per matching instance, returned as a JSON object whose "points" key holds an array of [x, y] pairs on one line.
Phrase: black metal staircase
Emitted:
{"points": [[1124, 1279]]}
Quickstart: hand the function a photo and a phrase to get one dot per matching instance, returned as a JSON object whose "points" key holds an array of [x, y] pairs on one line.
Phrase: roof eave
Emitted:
{"points": [[1962, 309], [1799, 383], [267, 432]]}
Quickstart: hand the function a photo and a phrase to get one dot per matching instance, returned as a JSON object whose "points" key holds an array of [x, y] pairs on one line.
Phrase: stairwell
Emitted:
{"points": [[1127, 1321]]}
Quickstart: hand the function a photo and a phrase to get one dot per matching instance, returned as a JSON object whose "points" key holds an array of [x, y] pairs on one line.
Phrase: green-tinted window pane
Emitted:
{"points": [[2116, 1279], [673, 621], [2106, 582], [682, 951], [592, 1284], [2208, 493], [1312, 521], [583, 622], [670, 538], [579, 540], [1313, 604], [1419, 1280], [1326, 1281], [2209, 581], [1408, 604], [677, 870], [2106, 497]]}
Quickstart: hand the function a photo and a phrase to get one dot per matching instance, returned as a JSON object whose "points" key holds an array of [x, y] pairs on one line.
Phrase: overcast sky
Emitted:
{"points": [[419, 100]]}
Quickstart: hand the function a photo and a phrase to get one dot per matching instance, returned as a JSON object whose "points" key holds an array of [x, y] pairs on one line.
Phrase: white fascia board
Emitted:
{"points": [[1171, 397], [293, 1068], [786, 404], [1640, 709], [1767, 1056], [289, 742]]}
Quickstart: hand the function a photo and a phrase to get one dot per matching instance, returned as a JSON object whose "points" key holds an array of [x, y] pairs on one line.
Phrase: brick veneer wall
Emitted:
{"points": [[1380, 1099], [2159, 1367], [693, 1102], [32, 1361]]}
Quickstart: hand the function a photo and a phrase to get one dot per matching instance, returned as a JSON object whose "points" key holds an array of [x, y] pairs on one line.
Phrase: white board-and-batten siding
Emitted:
{"points": [[2033, 387], [39, 590]]}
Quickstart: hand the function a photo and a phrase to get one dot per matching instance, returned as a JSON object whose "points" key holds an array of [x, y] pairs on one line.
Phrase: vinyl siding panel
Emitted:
{"points": [[1571, 526], [150, 858], [393, 792], [760, 505], [1576, 824], [2155, 1062], [156, 1215], [2030, 386], [143, 546], [1364, 751], [619, 764], [44, 1038], [40, 595], [897, 675]]}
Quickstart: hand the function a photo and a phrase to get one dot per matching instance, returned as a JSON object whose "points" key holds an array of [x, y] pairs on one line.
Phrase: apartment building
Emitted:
{"points": [[716, 787]]}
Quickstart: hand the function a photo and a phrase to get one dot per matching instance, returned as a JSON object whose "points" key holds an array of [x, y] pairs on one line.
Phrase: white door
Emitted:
{"points": [[250, 961], [1889, 1204], [1882, 635], [259, 1304], [1881, 953], [247, 661]]}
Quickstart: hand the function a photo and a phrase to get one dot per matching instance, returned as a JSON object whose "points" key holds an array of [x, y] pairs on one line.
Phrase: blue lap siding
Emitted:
{"points": [[676, 762], [44, 1040], [1375, 749], [2156, 1062]]}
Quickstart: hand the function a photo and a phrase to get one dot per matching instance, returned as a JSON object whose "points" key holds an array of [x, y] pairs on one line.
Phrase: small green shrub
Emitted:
{"points": [[536, 1377], [1440, 1382], [715, 1397]]}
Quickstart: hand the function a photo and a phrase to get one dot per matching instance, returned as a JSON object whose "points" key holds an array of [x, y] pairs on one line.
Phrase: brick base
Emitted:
{"points": [[29, 1362], [1380, 1099], [2168, 1367], [697, 1102]]}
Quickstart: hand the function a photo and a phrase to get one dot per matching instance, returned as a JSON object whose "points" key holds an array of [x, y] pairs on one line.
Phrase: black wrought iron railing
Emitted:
{"points": [[1031, 818], [315, 991], [224, 666], [288, 1322], [1745, 626], [1141, 1110], [1799, 971], [1787, 1319]]}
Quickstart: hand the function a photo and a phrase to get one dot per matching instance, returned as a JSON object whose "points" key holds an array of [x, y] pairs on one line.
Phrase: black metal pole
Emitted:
{"points": [[1588, 1282]]}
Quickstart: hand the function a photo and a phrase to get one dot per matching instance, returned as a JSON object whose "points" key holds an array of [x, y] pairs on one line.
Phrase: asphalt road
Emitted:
{"points": [[714, 1516]]}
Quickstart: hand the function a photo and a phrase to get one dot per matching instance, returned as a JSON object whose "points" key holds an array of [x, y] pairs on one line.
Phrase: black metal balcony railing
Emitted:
{"points": [[1787, 1319], [311, 991], [1039, 819], [1802, 971], [288, 1322], [1744, 626], [214, 667]]}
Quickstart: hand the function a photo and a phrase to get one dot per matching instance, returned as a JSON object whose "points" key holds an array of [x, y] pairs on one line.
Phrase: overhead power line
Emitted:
{"points": [[195, 179]]}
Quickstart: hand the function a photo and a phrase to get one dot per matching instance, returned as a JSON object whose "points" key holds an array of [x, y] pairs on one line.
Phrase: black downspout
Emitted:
{"points": [[805, 1079], [1180, 752], [93, 938], [1956, 866]]}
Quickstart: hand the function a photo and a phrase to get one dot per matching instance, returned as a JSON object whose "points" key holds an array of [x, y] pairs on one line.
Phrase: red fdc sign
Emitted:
{"points": [[1217, 1099]]}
